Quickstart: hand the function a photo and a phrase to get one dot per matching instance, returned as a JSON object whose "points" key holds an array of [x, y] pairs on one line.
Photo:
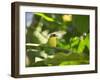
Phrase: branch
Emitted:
{"points": [[31, 44], [37, 46], [57, 49]]}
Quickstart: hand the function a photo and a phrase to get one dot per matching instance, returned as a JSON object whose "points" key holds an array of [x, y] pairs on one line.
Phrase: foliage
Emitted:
{"points": [[72, 40]]}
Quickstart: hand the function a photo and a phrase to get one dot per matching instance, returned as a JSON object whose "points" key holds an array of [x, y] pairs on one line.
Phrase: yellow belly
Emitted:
{"points": [[52, 42]]}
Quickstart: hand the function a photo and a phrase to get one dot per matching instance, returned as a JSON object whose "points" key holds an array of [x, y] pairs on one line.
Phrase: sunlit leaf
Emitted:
{"points": [[69, 63], [45, 17], [81, 46], [74, 41]]}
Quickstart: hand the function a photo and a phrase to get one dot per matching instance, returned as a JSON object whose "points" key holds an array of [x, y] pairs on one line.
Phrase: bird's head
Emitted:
{"points": [[53, 35]]}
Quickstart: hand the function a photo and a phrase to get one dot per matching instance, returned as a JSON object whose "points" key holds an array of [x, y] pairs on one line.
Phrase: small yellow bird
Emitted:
{"points": [[52, 41]]}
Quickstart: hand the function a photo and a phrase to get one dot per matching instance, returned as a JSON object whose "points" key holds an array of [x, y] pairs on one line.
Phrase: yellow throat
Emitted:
{"points": [[52, 40]]}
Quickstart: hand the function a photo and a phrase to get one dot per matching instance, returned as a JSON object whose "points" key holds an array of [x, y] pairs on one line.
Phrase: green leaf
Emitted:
{"points": [[83, 43], [87, 43], [62, 57], [39, 63], [69, 63], [74, 41], [45, 17], [81, 46], [76, 62], [81, 22]]}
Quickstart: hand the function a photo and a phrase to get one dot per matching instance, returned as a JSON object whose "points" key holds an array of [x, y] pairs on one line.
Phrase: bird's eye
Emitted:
{"points": [[53, 35]]}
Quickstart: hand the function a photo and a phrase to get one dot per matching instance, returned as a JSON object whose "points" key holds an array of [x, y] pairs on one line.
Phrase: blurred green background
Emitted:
{"points": [[72, 39]]}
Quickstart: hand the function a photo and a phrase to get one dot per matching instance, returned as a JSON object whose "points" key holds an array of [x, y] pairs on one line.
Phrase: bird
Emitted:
{"points": [[53, 48], [52, 41]]}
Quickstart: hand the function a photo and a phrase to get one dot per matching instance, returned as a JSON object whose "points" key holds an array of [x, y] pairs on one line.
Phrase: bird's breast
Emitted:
{"points": [[52, 42]]}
